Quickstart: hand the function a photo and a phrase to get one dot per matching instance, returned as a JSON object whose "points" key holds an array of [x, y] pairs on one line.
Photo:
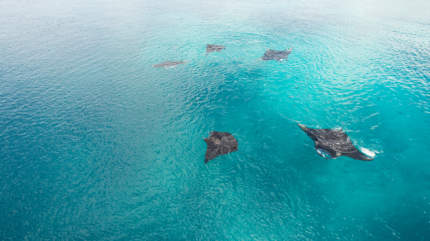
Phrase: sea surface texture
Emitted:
{"points": [[97, 144]]}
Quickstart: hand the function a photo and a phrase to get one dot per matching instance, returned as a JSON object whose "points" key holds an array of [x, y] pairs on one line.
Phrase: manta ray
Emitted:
{"points": [[214, 48], [277, 55], [332, 143], [219, 143], [168, 64]]}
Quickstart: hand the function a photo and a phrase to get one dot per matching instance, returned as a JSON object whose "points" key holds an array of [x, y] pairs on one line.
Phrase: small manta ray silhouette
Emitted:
{"points": [[219, 143], [214, 48], [278, 55], [168, 64]]}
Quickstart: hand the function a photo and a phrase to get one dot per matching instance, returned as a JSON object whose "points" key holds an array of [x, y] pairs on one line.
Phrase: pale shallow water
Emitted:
{"points": [[96, 144]]}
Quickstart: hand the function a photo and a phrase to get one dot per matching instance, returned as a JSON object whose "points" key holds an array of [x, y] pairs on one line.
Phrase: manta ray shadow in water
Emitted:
{"points": [[168, 64], [214, 48], [332, 143], [278, 55], [219, 143]]}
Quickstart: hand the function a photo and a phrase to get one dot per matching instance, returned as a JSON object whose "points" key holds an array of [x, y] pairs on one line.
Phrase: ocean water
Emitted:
{"points": [[96, 144]]}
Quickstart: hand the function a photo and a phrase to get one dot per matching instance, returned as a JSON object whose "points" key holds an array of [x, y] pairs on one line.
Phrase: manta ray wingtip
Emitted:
{"points": [[365, 157]]}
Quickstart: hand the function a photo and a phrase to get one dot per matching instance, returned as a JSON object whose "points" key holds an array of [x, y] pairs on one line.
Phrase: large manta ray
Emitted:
{"points": [[334, 142], [214, 48], [168, 64], [277, 55], [219, 143]]}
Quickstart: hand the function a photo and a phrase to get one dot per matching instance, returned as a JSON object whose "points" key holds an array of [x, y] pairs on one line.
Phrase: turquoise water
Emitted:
{"points": [[96, 144]]}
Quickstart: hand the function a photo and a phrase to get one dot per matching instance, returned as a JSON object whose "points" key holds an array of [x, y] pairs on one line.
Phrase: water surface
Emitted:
{"points": [[96, 144]]}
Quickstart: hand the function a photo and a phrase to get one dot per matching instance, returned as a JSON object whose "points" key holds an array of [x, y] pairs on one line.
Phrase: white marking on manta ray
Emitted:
{"points": [[368, 152]]}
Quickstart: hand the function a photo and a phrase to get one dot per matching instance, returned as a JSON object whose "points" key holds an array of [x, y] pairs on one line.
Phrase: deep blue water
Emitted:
{"points": [[96, 144]]}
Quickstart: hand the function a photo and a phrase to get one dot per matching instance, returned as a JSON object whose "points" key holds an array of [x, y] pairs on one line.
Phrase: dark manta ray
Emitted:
{"points": [[334, 142], [214, 48], [168, 64], [277, 55], [219, 143]]}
